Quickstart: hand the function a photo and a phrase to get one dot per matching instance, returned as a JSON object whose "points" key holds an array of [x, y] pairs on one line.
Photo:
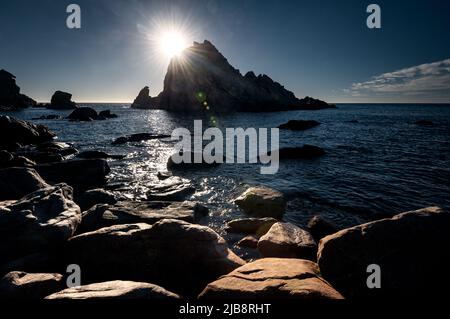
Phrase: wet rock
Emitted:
{"points": [[62, 101], [248, 242], [80, 174], [16, 182], [171, 189], [59, 148], [12, 160], [122, 290], [172, 164], [258, 226], [129, 212], [304, 152], [272, 279], [39, 220], [40, 157], [262, 201], [139, 137], [107, 114], [163, 175], [49, 117], [298, 125], [83, 114], [10, 96], [13, 132], [286, 240], [320, 227], [144, 100], [93, 197], [98, 154], [179, 256], [411, 250], [22, 285]]}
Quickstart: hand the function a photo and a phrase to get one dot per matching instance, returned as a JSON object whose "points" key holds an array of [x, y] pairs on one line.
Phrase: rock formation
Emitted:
{"points": [[144, 100], [10, 96], [62, 100]]}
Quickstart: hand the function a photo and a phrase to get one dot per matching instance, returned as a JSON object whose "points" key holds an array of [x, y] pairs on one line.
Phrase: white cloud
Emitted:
{"points": [[425, 80]]}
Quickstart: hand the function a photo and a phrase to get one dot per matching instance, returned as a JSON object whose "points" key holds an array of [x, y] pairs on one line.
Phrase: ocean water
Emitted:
{"points": [[379, 166]]}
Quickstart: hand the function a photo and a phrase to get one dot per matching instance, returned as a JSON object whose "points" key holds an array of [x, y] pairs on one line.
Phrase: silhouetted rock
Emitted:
{"points": [[98, 154], [107, 114], [62, 100], [144, 100], [60, 148], [299, 125], [411, 250], [83, 114], [138, 137], [129, 212], [179, 256], [211, 83], [191, 164], [10, 96], [272, 279], [262, 201], [14, 131], [286, 240], [13, 160], [319, 227], [21, 285], [37, 221], [49, 117], [305, 152], [16, 182]]}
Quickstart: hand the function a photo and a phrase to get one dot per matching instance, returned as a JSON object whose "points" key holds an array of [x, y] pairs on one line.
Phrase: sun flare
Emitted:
{"points": [[172, 43]]}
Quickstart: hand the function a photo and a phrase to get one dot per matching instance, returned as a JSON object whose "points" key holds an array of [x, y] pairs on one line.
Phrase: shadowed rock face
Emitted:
{"points": [[144, 100], [202, 80], [62, 100], [10, 96]]}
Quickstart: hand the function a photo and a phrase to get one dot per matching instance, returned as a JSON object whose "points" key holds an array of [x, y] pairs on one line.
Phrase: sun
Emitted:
{"points": [[172, 43]]}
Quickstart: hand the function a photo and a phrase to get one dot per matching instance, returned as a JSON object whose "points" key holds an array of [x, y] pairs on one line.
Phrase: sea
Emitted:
{"points": [[378, 161]]}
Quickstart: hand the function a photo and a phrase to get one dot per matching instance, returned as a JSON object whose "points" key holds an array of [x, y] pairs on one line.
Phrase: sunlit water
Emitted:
{"points": [[381, 165]]}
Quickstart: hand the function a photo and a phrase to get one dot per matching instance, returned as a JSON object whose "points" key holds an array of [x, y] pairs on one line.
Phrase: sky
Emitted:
{"points": [[317, 48]]}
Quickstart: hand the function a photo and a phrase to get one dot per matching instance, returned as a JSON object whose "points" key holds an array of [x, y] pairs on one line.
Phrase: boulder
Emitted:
{"points": [[12, 160], [121, 290], [286, 240], [45, 261], [262, 201], [93, 197], [22, 285], [106, 114], [16, 182], [62, 100], [272, 279], [171, 189], [144, 100], [39, 157], [83, 114], [258, 226], [128, 212], [13, 132], [177, 255], [98, 154], [248, 241], [173, 165], [211, 83], [40, 220], [411, 250], [10, 96], [80, 174], [60, 148], [304, 152], [320, 227], [299, 125], [138, 137]]}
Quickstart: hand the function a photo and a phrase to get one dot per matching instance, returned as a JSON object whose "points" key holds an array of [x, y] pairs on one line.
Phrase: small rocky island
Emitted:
{"points": [[210, 83]]}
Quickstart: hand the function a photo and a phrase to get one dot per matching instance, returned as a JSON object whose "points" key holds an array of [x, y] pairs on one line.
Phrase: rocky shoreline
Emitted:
{"points": [[55, 212]]}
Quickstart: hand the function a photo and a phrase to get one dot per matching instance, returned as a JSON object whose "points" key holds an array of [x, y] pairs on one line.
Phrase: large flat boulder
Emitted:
{"points": [[22, 285], [16, 182], [118, 289], [130, 212], [39, 220], [411, 249], [286, 240], [177, 255], [262, 202], [272, 279]]}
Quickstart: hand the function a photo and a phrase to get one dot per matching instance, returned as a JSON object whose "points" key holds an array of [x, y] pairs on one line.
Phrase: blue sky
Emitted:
{"points": [[318, 48]]}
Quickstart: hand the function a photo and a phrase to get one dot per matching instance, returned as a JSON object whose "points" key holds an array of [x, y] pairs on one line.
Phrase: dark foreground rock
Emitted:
{"points": [[171, 189], [87, 114], [257, 226], [319, 227], [128, 212], [22, 285], [10, 96], [93, 197], [272, 279], [13, 132], [121, 290], [145, 101], [262, 202], [286, 240], [39, 220], [61, 101], [211, 83], [179, 256], [138, 137], [411, 250], [80, 174], [98, 154], [299, 125], [16, 182]]}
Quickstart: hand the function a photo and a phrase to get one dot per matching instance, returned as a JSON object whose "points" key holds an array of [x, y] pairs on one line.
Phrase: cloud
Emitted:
{"points": [[425, 80]]}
